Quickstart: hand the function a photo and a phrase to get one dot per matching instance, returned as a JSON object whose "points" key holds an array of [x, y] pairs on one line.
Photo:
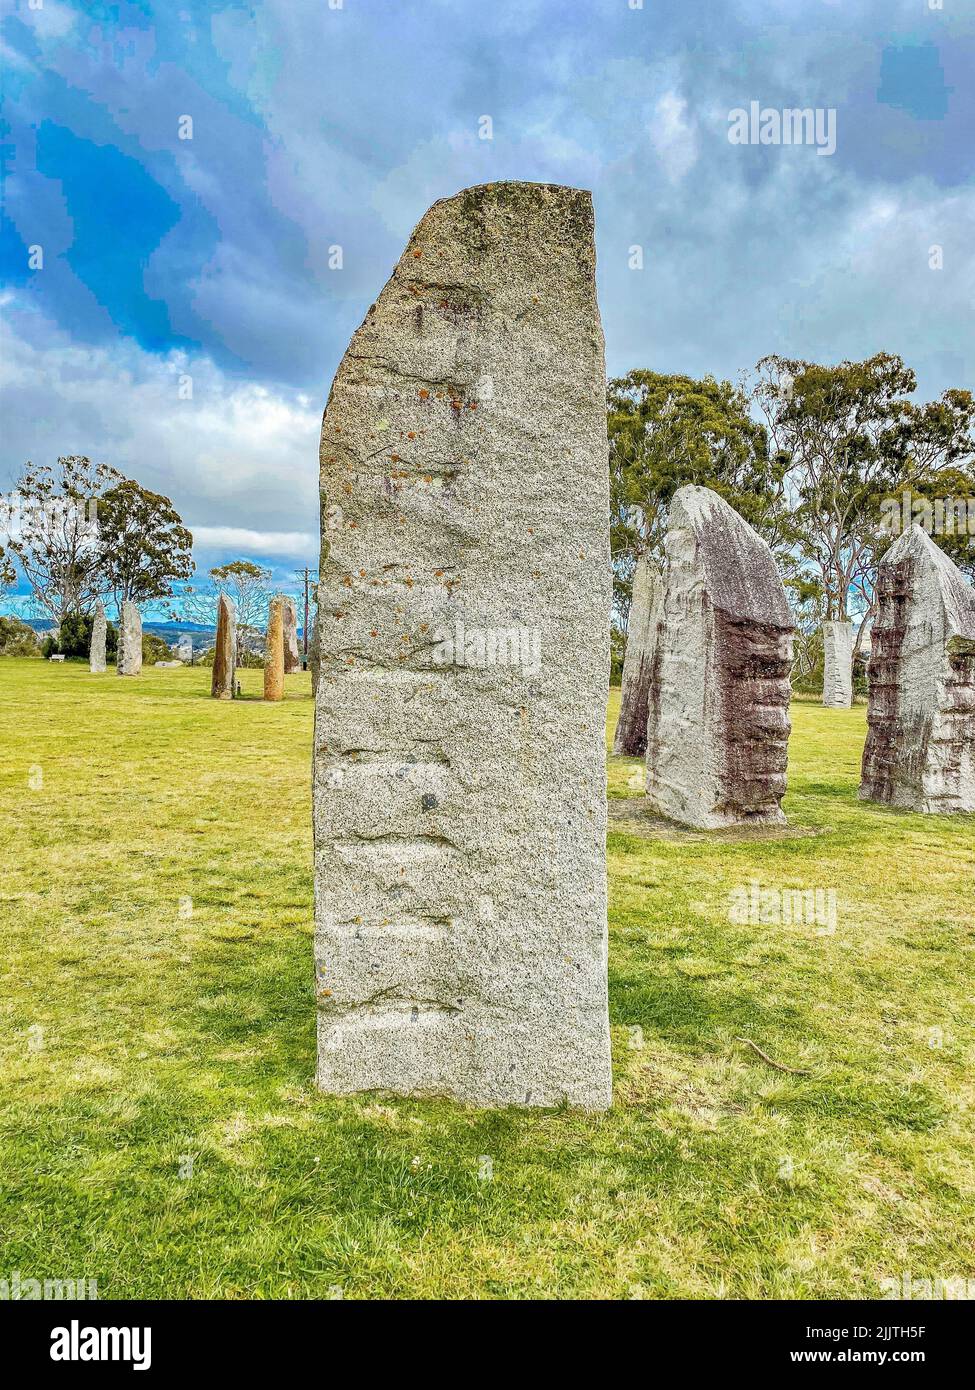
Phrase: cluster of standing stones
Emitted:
{"points": [[460, 807], [129, 657], [282, 655], [711, 671]]}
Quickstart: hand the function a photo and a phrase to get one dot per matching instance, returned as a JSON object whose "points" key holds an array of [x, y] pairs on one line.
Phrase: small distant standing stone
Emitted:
{"points": [[718, 726], [96, 652], [224, 651], [920, 749], [274, 651], [313, 654], [292, 657], [837, 665], [631, 729], [129, 640]]}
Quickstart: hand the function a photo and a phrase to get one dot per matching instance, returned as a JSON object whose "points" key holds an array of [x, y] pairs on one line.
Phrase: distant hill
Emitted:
{"points": [[203, 637]]}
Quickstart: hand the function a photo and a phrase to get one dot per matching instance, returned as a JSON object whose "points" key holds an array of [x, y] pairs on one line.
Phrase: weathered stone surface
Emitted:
{"points": [[274, 651], [292, 657], [631, 730], [920, 749], [718, 724], [96, 652], [223, 681], [838, 667], [459, 770], [129, 640]]}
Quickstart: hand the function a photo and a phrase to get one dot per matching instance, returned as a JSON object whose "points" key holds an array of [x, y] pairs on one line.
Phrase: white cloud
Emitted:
{"points": [[297, 545], [239, 459], [673, 137]]}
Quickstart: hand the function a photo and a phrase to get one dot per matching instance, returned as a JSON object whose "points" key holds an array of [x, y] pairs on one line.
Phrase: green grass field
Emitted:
{"points": [[160, 1131]]}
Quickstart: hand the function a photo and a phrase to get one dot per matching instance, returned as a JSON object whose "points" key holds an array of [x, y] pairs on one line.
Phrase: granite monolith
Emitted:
{"points": [[313, 654], [289, 618], [631, 728], [129, 640], [920, 748], [274, 651], [223, 681], [96, 652], [718, 723], [459, 764], [837, 665]]}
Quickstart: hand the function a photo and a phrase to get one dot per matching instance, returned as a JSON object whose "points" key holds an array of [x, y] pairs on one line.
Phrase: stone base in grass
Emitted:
{"points": [[632, 814]]}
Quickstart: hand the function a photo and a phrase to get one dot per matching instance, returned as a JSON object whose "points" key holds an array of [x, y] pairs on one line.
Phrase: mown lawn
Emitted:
{"points": [[160, 1131]]}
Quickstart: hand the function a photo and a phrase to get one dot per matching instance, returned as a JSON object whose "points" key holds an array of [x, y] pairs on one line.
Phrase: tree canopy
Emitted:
{"points": [[83, 531], [851, 439], [56, 541], [669, 430], [246, 584], [144, 545]]}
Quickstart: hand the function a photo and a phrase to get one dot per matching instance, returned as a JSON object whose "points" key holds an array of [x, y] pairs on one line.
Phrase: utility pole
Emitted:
{"points": [[308, 577]]}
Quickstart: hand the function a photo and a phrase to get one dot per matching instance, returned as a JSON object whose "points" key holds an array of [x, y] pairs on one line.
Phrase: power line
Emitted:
{"points": [[308, 577]]}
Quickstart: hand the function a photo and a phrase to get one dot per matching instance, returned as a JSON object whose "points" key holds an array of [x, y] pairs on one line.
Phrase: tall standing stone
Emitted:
{"points": [[223, 682], [631, 729], [129, 640], [459, 767], [96, 652], [274, 651], [920, 749], [837, 665], [292, 657], [718, 725], [313, 663]]}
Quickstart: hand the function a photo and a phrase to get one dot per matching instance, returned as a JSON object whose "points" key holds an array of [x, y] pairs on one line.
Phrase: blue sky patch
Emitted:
{"points": [[912, 79]]}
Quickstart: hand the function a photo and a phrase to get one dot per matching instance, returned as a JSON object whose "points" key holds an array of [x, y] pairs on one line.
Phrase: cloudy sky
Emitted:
{"points": [[335, 123]]}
